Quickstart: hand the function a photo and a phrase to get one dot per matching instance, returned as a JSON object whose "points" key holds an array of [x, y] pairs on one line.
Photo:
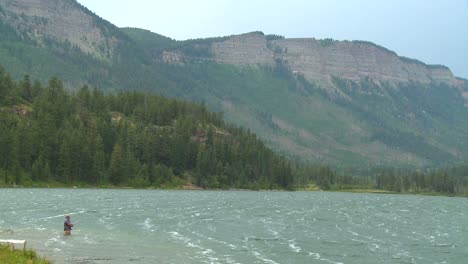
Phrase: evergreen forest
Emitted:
{"points": [[126, 139], [50, 136]]}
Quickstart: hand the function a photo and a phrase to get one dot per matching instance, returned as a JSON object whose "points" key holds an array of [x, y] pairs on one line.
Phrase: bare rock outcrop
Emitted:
{"points": [[173, 57], [320, 60], [62, 20], [465, 96], [246, 49]]}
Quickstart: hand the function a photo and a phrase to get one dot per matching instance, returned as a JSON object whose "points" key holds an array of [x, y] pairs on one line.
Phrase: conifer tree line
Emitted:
{"points": [[48, 134], [51, 135], [451, 181], [448, 181]]}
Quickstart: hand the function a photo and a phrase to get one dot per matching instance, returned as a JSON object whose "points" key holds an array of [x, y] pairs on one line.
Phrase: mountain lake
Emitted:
{"points": [[155, 226]]}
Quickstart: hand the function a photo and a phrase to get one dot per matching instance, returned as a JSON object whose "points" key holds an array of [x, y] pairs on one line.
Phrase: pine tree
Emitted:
{"points": [[117, 166], [64, 168], [27, 91], [99, 161], [5, 150]]}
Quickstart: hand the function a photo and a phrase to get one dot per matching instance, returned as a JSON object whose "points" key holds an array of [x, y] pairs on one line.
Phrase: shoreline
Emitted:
{"points": [[198, 188]]}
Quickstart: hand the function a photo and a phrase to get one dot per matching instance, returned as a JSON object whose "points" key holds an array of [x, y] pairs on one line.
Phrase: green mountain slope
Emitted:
{"points": [[152, 42], [340, 102]]}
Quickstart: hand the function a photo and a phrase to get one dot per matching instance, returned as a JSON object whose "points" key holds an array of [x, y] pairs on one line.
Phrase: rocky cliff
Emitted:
{"points": [[320, 60], [247, 49], [60, 20]]}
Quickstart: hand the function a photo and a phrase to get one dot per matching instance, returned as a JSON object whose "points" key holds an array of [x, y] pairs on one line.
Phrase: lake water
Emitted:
{"points": [[147, 226]]}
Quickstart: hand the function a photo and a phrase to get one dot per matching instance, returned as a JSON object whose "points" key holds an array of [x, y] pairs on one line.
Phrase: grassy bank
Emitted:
{"points": [[9, 256]]}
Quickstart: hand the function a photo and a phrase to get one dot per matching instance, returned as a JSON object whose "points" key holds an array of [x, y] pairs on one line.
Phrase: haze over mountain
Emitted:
{"points": [[340, 102]]}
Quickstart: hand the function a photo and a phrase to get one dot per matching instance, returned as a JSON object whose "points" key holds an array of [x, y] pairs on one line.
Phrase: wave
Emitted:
{"points": [[318, 257], [263, 258], [294, 246]]}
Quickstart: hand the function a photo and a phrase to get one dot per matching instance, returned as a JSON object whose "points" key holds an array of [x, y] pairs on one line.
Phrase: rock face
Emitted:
{"points": [[62, 20], [175, 58], [246, 49], [320, 60], [465, 96]]}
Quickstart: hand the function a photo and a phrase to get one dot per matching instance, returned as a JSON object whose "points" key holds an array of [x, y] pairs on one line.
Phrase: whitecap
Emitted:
{"points": [[57, 249], [232, 246], [190, 244], [206, 251], [445, 245], [374, 247], [263, 258], [294, 247], [273, 232], [182, 238], [318, 257], [147, 225]]}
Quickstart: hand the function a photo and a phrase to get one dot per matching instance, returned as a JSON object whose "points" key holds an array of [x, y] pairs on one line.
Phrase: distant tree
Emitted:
{"points": [[27, 90], [117, 166], [99, 161]]}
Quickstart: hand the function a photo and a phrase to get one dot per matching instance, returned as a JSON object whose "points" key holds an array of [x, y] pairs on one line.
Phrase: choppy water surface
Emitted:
{"points": [[138, 226]]}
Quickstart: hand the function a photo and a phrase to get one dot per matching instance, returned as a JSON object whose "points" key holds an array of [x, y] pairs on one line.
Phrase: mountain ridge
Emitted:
{"points": [[341, 102], [320, 59], [69, 21], [62, 20]]}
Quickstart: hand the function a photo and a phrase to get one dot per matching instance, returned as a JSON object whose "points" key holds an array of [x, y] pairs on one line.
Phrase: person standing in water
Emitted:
{"points": [[67, 225]]}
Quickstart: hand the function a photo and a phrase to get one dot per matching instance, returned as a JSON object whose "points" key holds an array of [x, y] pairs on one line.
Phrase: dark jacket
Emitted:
{"points": [[67, 225]]}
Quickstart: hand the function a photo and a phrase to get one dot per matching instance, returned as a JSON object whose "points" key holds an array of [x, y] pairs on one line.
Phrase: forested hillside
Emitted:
{"points": [[131, 139], [50, 136], [349, 104]]}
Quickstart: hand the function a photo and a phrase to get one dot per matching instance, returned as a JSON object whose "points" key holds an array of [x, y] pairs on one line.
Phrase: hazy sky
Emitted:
{"points": [[433, 31]]}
